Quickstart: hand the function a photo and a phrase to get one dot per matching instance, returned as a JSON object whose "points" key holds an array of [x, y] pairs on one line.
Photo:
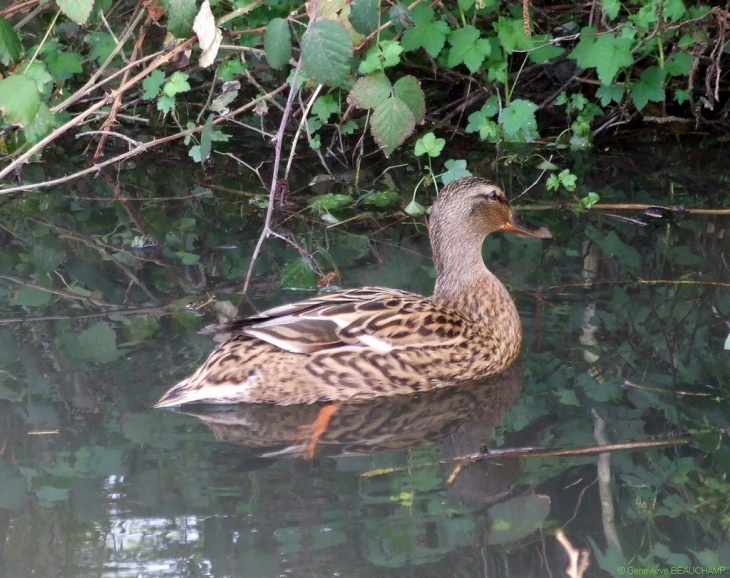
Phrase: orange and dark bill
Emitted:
{"points": [[522, 228]]}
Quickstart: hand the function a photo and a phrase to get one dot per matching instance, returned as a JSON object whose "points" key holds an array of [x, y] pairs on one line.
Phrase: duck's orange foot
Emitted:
{"points": [[317, 428]]}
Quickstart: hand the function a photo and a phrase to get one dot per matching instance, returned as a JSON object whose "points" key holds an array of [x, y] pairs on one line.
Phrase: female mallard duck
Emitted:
{"points": [[370, 342]]}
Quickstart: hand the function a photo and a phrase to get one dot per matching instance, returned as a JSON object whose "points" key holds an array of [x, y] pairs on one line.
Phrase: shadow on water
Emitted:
{"points": [[622, 323]]}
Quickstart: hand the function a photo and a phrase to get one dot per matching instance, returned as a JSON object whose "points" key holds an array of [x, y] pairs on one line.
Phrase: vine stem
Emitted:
{"points": [[266, 231]]}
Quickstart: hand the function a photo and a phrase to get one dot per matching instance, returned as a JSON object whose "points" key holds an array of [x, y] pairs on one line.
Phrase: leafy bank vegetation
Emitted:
{"points": [[559, 73]]}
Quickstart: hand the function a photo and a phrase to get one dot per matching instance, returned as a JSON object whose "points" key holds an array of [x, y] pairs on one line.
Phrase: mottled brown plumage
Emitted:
{"points": [[371, 342]]}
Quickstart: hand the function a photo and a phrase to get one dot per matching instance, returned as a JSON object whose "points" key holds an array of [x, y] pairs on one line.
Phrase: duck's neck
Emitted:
{"points": [[464, 283]]}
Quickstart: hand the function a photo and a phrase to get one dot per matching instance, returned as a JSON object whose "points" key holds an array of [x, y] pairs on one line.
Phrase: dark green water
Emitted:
{"points": [[624, 325]]}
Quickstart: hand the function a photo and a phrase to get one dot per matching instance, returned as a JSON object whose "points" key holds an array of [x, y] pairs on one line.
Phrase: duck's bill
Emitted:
{"points": [[522, 228]]}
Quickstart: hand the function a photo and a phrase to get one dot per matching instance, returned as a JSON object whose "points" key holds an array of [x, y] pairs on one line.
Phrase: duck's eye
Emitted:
{"points": [[491, 196]]}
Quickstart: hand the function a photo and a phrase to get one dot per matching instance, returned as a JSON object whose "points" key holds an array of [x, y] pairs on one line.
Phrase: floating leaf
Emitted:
{"points": [[19, 99], [76, 10], [327, 52], [364, 16], [277, 43], [392, 124], [370, 91]]}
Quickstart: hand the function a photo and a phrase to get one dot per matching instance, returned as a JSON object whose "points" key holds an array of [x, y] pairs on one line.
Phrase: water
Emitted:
{"points": [[624, 325]]}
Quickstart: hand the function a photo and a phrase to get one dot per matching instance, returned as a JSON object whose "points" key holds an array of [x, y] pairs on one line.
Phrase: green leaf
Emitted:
{"points": [[518, 120], [38, 71], [178, 83], [408, 89], [364, 16], [76, 10], [188, 258], [427, 34], [327, 52], [299, 274], [102, 45], [392, 123], [19, 99], [468, 48], [415, 209], [430, 145], [47, 258], [544, 50], [511, 34], [606, 53], [384, 55], [165, 103], [478, 121], [455, 169], [679, 65], [277, 43], [30, 297], [330, 202], [650, 87], [674, 10], [152, 84], [609, 93], [611, 8], [63, 65], [99, 343], [381, 198], [180, 16], [10, 47], [324, 107], [205, 138], [370, 91], [567, 397]]}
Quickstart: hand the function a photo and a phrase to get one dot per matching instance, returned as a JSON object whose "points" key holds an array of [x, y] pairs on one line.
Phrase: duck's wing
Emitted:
{"points": [[375, 318]]}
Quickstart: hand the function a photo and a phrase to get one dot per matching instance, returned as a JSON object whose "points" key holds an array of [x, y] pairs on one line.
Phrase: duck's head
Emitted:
{"points": [[469, 209]]}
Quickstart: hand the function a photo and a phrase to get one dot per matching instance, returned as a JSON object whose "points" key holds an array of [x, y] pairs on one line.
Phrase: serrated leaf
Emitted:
{"points": [[408, 89], [650, 87], [277, 43], [299, 274], [19, 99], [63, 65], [511, 34], [38, 72], [606, 53], [611, 8], [324, 107], [370, 91], [152, 84], [430, 145], [468, 48], [327, 52], [102, 45], [544, 50], [610, 93], [99, 343], [427, 33], [392, 123], [47, 258], [180, 16], [178, 83], [76, 10], [10, 46], [364, 16], [679, 65], [30, 297], [188, 258], [518, 120]]}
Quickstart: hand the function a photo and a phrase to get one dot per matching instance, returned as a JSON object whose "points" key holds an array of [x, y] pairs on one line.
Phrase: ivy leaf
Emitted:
{"points": [[518, 120], [650, 87], [606, 53], [430, 145], [467, 48], [455, 169], [427, 34]]}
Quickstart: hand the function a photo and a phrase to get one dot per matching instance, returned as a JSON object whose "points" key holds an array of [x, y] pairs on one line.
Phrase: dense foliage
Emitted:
{"points": [[563, 73]]}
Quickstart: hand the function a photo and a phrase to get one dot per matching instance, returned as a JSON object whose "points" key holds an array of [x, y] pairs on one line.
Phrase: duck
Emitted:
{"points": [[370, 342]]}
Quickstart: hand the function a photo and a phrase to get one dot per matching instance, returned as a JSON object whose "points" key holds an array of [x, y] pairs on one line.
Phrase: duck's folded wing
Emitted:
{"points": [[379, 319]]}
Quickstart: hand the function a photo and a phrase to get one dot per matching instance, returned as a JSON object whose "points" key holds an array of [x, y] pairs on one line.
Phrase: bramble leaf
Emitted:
{"points": [[327, 52], [408, 89], [277, 43], [10, 46], [369, 91], [392, 124]]}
